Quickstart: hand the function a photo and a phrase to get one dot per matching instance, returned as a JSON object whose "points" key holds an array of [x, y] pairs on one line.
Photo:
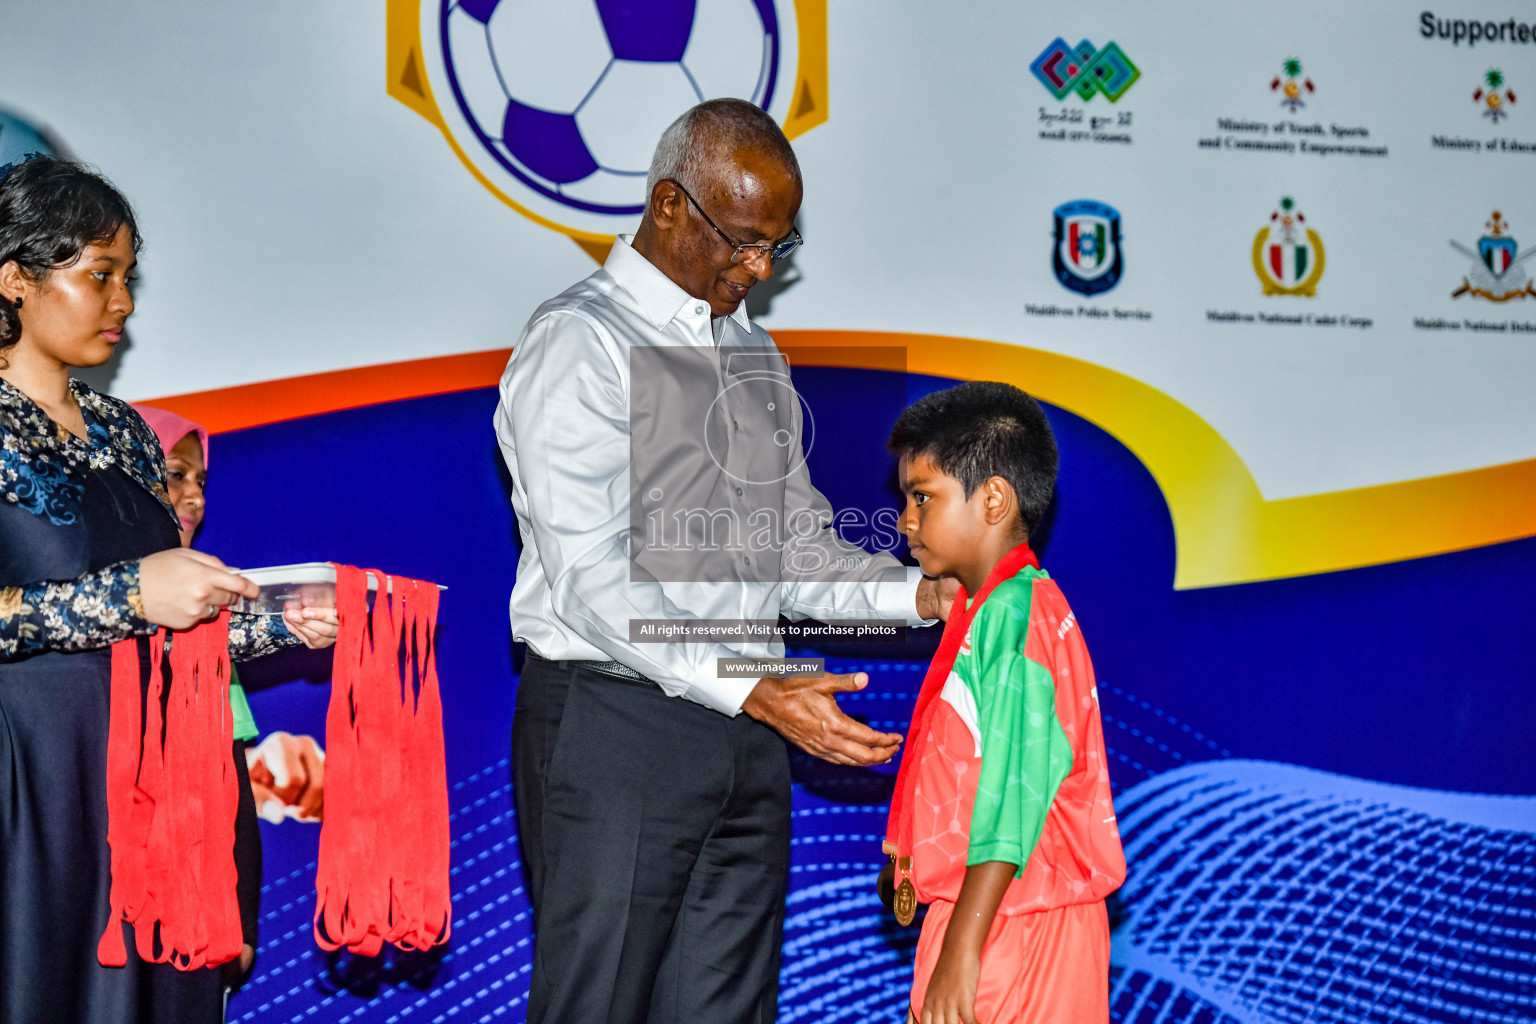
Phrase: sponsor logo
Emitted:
{"points": [[1087, 256], [1291, 84], [1494, 95], [1287, 255], [1085, 69], [1497, 272]]}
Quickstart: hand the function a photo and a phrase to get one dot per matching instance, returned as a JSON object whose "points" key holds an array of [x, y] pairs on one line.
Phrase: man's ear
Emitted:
{"points": [[999, 503], [666, 197]]}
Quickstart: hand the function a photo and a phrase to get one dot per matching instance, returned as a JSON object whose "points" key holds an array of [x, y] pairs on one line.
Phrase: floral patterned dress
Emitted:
{"points": [[75, 518]]}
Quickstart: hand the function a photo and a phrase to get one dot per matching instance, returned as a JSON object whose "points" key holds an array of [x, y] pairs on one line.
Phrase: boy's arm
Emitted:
{"points": [[951, 994]]}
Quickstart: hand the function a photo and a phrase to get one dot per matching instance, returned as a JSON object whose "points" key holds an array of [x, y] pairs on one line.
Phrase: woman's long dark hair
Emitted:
{"points": [[50, 210]]}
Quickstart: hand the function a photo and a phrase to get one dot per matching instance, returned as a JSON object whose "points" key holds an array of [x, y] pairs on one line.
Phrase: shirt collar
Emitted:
{"points": [[659, 297]]}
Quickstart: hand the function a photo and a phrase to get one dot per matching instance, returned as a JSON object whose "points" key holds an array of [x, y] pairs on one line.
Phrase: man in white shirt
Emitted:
{"points": [[640, 423]]}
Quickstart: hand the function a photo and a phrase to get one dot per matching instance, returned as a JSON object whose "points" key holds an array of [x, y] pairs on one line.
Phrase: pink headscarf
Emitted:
{"points": [[171, 428]]}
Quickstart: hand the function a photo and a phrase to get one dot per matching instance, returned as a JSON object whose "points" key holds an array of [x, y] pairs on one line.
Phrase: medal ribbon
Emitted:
{"points": [[172, 796], [383, 869], [898, 827]]}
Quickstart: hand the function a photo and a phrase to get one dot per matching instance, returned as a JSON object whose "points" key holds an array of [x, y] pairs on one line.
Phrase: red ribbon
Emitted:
{"points": [[172, 795], [898, 826], [383, 871]]}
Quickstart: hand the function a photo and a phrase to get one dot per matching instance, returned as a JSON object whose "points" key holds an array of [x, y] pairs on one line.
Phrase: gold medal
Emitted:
{"points": [[905, 904]]}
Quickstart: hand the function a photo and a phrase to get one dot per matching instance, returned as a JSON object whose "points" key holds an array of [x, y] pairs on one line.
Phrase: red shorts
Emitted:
{"points": [[1050, 967]]}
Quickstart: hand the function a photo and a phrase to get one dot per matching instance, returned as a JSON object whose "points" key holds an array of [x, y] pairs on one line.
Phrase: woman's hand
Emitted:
{"points": [[180, 588], [316, 627]]}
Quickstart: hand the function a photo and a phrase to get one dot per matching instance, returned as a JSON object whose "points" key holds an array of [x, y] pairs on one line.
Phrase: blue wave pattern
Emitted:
{"points": [[1258, 893], [482, 974], [1264, 892]]}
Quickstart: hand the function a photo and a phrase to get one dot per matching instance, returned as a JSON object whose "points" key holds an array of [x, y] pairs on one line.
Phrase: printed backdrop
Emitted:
{"points": [[1267, 265]]}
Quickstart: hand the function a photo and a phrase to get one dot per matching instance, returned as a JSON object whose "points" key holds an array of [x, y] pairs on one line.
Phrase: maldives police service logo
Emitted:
{"points": [[1087, 256], [556, 105], [1498, 273], [1288, 255]]}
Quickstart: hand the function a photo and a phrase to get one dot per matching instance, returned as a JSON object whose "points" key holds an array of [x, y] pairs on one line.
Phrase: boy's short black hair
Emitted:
{"points": [[983, 429]]}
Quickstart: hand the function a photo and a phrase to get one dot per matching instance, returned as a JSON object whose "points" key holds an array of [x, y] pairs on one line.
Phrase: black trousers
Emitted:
{"points": [[655, 835]]}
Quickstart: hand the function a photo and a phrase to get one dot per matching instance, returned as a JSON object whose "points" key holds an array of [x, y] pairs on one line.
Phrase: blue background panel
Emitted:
{"points": [[1377, 702]]}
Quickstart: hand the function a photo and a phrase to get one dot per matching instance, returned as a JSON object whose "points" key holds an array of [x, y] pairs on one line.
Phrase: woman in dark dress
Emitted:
{"points": [[89, 555]]}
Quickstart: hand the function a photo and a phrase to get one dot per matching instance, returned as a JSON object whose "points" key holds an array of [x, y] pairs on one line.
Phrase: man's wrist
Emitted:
{"points": [[760, 701], [927, 599]]}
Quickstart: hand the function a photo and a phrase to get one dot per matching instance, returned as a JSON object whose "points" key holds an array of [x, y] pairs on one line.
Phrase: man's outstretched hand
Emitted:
{"points": [[804, 711]]}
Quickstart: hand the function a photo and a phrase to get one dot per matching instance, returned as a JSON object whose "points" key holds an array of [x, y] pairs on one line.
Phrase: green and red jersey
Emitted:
{"points": [[1005, 760]]}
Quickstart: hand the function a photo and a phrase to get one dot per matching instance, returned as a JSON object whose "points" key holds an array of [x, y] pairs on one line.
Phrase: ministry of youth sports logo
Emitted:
{"points": [[1087, 256], [556, 105]]}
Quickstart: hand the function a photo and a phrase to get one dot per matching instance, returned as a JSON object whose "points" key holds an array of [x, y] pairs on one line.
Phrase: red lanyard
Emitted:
{"points": [[383, 871], [898, 827], [172, 795]]}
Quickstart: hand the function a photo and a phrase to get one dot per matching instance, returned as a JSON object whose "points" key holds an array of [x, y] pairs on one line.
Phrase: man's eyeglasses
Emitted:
{"points": [[745, 251]]}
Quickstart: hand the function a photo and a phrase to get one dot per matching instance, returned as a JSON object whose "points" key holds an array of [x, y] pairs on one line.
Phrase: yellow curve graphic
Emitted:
{"points": [[1226, 531]]}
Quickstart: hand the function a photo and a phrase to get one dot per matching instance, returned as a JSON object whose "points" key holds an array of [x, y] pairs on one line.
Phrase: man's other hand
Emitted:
{"points": [[804, 711]]}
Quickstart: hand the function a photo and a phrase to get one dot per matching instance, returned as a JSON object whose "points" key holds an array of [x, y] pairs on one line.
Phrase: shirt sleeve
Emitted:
{"points": [[564, 419], [251, 636], [1025, 754], [93, 611]]}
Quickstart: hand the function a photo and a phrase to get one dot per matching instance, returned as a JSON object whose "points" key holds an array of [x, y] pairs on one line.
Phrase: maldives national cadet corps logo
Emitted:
{"points": [[1497, 273], [1087, 256], [1085, 69], [1287, 261], [1494, 95], [556, 105]]}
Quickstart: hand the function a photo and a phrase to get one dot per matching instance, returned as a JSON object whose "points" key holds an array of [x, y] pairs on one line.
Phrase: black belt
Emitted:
{"points": [[617, 669]]}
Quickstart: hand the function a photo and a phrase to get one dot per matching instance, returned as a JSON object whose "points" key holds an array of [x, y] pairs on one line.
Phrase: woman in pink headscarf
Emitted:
{"points": [[301, 789]]}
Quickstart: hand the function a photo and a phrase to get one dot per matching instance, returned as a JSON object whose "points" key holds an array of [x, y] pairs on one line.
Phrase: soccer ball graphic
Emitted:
{"points": [[568, 97]]}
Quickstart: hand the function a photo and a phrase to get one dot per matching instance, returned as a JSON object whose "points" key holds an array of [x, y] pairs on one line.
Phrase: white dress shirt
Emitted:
{"points": [[564, 425]]}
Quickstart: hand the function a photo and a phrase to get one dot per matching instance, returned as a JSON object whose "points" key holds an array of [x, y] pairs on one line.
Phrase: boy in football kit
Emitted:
{"points": [[1002, 820]]}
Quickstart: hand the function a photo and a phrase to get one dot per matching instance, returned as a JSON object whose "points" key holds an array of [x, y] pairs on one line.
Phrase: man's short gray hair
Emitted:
{"points": [[697, 144]]}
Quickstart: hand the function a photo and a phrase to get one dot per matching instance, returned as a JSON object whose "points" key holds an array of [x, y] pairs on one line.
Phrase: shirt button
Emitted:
{"points": [[739, 491], [745, 560], [699, 310]]}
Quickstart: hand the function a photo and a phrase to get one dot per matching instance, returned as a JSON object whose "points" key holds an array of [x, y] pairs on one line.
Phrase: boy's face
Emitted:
{"points": [[944, 528]]}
